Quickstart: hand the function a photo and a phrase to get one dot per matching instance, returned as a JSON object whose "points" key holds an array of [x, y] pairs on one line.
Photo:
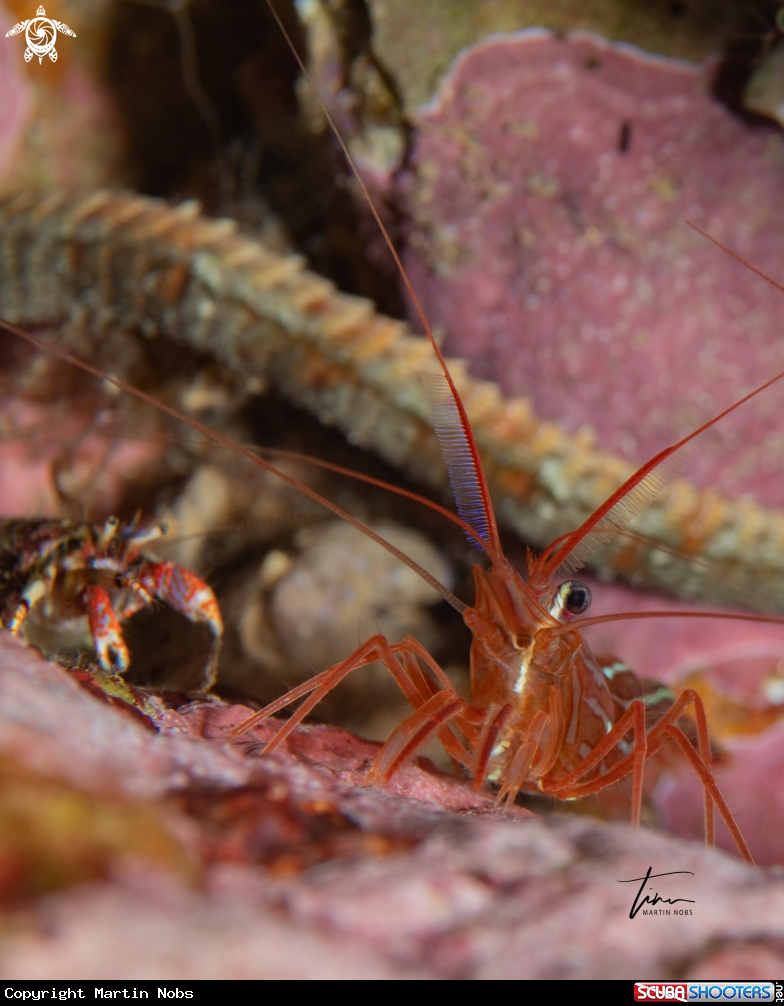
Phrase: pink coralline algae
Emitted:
{"points": [[551, 185]]}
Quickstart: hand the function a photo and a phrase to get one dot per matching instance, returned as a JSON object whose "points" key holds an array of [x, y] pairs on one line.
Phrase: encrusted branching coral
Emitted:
{"points": [[120, 263]]}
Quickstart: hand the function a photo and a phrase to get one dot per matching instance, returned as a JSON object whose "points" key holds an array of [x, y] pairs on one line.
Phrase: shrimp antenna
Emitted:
{"points": [[461, 455], [583, 623], [571, 551], [224, 441], [738, 258]]}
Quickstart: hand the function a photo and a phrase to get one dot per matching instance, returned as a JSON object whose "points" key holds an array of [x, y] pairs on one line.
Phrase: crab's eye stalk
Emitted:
{"points": [[573, 596]]}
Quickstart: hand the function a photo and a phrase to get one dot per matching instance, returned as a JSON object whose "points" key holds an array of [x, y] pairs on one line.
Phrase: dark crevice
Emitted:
{"points": [[756, 33], [246, 77]]}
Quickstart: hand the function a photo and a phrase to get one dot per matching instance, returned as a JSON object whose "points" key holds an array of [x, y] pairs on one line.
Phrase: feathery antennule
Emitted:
{"points": [[744, 596], [760, 600], [493, 540], [623, 512], [458, 457]]}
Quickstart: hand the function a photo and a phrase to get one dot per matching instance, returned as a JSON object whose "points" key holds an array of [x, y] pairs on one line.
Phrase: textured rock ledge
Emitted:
{"points": [[287, 867]]}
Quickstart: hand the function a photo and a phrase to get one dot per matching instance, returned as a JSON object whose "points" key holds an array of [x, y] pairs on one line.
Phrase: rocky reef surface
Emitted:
{"points": [[137, 850]]}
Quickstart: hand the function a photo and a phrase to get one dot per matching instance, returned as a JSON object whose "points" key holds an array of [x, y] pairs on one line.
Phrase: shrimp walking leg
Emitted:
{"points": [[664, 730], [414, 731], [712, 791], [524, 756], [522, 767], [633, 719], [496, 720], [555, 736], [398, 658], [426, 688]]}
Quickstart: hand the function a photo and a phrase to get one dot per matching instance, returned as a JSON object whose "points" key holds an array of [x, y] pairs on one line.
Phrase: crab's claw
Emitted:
{"points": [[190, 596]]}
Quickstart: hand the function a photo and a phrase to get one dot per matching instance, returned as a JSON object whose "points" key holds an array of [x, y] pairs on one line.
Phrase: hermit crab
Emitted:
{"points": [[69, 585]]}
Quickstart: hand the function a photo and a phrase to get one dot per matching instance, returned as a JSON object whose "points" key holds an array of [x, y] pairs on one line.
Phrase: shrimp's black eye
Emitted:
{"points": [[575, 597]]}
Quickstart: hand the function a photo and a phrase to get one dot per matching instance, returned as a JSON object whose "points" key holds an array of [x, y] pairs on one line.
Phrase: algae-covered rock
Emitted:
{"points": [[418, 44]]}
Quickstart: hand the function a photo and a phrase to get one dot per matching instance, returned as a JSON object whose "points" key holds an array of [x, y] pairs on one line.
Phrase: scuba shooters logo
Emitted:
{"points": [[754, 991], [40, 35]]}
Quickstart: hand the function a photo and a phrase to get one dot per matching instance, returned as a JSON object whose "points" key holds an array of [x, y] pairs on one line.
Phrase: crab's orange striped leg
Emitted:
{"points": [[32, 594]]}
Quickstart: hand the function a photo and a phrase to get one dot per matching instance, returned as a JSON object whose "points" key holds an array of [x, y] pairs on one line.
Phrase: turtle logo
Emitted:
{"points": [[40, 33]]}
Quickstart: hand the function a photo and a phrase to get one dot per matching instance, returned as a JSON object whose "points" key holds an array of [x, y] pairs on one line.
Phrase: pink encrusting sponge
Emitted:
{"points": [[550, 189]]}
